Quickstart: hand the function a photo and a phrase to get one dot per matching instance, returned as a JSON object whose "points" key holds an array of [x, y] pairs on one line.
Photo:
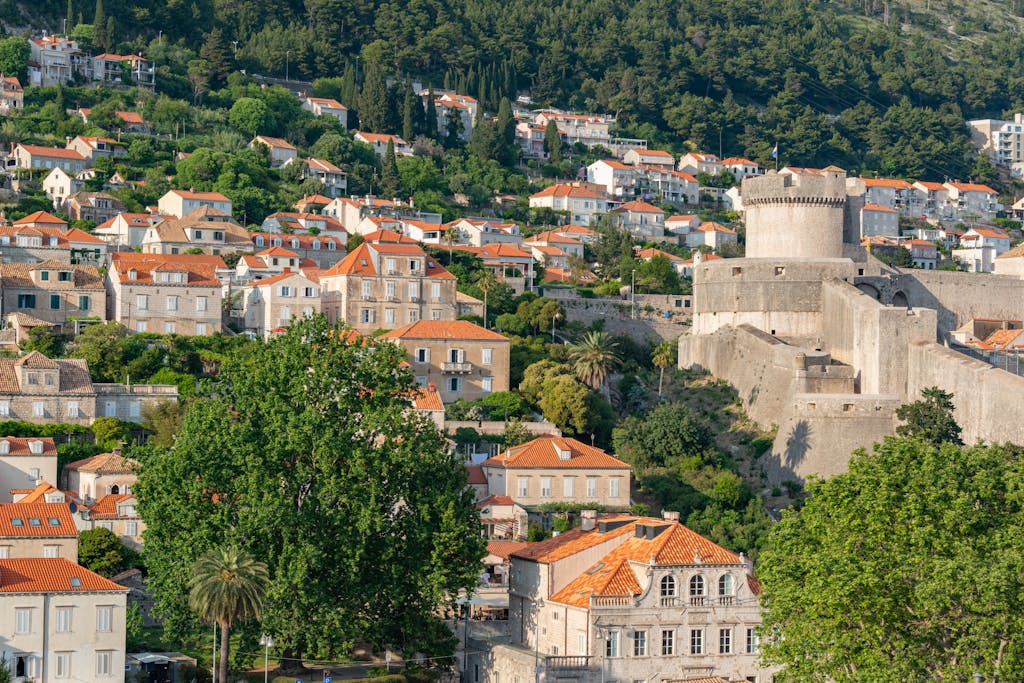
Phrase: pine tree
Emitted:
{"points": [[393, 120], [390, 183], [430, 122], [99, 27], [215, 52], [373, 100]]}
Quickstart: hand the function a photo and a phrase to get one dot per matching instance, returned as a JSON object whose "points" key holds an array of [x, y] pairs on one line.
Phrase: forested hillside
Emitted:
{"points": [[866, 84]]}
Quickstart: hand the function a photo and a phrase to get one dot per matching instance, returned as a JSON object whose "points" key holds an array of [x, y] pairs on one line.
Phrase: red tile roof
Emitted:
{"points": [[20, 445], [637, 206], [444, 329], [104, 463], [40, 217], [51, 575], [503, 549], [494, 500], [878, 207], [36, 520], [203, 196], [106, 507], [475, 474], [544, 452], [201, 268], [564, 190], [894, 183], [971, 187], [54, 152], [428, 399]]}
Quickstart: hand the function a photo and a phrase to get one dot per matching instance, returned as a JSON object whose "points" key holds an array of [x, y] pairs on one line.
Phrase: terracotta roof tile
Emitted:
{"points": [[19, 445], [546, 452], [444, 329], [51, 575], [106, 507], [104, 463], [36, 520], [504, 549]]}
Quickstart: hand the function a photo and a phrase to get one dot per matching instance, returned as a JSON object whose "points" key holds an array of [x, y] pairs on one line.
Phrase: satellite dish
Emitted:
{"points": [[73, 508]]}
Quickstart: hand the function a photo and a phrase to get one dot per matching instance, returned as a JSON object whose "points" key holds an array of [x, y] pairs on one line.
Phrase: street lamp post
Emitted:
{"points": [[287, 57], [268, 642], [554, 321]]}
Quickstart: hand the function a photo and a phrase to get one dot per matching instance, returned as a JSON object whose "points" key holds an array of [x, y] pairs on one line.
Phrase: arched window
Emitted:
{"points": [[668, 587], [725, 585], [696, 586], [114, 489]]}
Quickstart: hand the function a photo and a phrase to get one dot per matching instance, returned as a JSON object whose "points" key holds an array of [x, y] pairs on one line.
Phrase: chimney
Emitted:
{"points": [[670, 516], [588, 519]]}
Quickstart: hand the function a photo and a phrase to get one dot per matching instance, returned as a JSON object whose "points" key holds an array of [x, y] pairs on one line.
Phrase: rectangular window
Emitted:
{"points": [[103, 618], [454, 384], [170, 327], [142, 302], [567, 487], [591, 487], [72, 408], [5, 552], [422, 355], [286, 291], [389, 289], [172, 303], [26, 301], [201, 304], [435, 290], [5, 408], [366, 316], [545, 488], [487, 384], [414, 291], [140, 326], [487, 355], [63, 665], [366, 289], [55, 302], [640, 644], [389, 316], [696, 641], [131, 529], [103, 663], [725, 641], [134, 409], [668, 642], [51, 550], [22, 620], [44, 275], [414, 315], [435, 314], [200, 328], [83, 303], [613, 488], [611, 644], [523, 487], [63, 620], [752, 641], [38, 409]]}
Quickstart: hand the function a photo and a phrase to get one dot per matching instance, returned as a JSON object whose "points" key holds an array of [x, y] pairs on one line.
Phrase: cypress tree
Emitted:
{"points": [[553, 143], [506, 125], [430, 120], [349, 89], [214, 51], [453, 131], [69, 21], [390, 182], [373, 100], [111, 40], [99, 27]]}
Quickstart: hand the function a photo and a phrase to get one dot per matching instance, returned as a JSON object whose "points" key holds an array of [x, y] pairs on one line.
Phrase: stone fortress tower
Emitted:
{"points": [[824, 342]]}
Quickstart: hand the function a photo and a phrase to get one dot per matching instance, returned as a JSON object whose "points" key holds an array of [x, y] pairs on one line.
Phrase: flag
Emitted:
{"points": [[775, 151]]}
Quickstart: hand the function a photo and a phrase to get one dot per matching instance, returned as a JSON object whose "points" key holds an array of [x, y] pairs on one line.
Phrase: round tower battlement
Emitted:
{"points": [[795, 214]]}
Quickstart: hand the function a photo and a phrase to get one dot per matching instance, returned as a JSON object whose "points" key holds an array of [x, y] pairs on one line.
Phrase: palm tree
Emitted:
{"points": [[486, 281], [450, 235], [593, 358], [228, 585], [664, 356]]}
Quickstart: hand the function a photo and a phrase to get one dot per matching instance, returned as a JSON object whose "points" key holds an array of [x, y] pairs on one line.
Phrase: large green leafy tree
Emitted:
{"points": [[930, 418], [307, 455], [908, 567], [228, 585]]}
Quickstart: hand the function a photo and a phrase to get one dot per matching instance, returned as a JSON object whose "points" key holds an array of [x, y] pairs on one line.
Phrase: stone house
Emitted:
{"points": [[876, 219], [641, 219], [479, 231], [510, 264], [741, 168], [97, 207], [100, 475], [204, 228], [299, 223], [625, 598], [126, 229], [270, 304], [38, 157], [697, 162], [1010, 262], [62, 621], [48, 239], [503, 518], [587, 129], [93, 148], [180, 202], [118, 513], [379, 142], [558, 470], [460, 358], [59, 185], [678, 263], [12, 97], [111, 68], [52, 60], [924, 254], [334, 179], [52, 291], [649, 157], [448, 106], [550, 238], [987, 237], [325, 250], [323, 106], [280, 151], [166, 294], [24, 462], [582, 203], [677, 187], [37, 530], [973, 199], [618, 179], [387, 285], [714, 235], [41, 390]]}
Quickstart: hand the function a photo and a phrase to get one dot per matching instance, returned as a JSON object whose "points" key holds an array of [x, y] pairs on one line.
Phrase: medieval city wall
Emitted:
{"points": [[958, 297]]}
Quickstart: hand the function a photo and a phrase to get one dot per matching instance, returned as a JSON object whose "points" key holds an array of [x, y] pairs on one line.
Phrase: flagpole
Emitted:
{"points": [[776, 156]]}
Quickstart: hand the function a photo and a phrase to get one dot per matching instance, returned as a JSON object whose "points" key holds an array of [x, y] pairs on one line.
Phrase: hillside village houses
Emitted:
{"points": [[53, 292], [583, 203], [40, 390], [379, 142], [41, 236], [334, 179], [279, 151], [270, 304], [177, 203], [323, 106], [98, 207], [93, 478], [385, 285], [205, 228], [37, 529], [24, 462], [12, 96], [166, 293], [461, 359]]}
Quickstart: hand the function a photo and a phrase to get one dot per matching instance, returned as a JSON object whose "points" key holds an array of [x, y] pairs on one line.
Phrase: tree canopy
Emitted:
{"points": [[908, 567], [304, 453]]}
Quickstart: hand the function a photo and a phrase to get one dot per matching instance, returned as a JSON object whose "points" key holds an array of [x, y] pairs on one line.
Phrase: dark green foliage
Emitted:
{"points": [[14, 53], [100, 39], [374, 101], [390, 182], [930, 419], [553, 143], [215, 52], [669, 434], [102, 552], [44, 340]]}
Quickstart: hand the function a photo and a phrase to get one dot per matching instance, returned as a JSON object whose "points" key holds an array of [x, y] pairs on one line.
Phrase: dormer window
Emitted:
{"points": [[330, 246], [277, 241], [259, 241], [5, 447], [35, 447], [53, 241], [133, 274], [563, 453], [316, 244], [295, 244]]}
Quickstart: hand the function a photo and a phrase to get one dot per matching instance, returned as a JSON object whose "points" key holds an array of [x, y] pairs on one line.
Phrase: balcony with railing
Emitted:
{"points": [[137, 389], [567, 663], [456, 368]]}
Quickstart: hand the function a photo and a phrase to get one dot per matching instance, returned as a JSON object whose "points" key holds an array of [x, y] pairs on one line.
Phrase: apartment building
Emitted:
{"points": [[166, 294], [52, 291], [61, 621], [460, 358], [180, 202], [37, 530], [385, 285], [24, 462], [268, 305], [118, 513]]}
